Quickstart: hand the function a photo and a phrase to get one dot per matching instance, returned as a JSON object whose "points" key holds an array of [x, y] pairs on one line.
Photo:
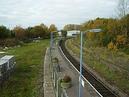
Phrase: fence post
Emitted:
{"points": [[58, 88]]}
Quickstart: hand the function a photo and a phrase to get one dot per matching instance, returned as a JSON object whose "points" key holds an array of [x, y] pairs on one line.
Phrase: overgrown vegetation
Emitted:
{"points": [[111, 65], [24, 80]]}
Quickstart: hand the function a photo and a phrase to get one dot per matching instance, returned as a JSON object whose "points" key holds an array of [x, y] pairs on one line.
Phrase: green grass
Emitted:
{"points": [[23, 82], [105, 63]]}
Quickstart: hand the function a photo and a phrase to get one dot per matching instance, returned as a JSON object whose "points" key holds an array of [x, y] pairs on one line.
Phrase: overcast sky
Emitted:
{"points": [[60, 12]]}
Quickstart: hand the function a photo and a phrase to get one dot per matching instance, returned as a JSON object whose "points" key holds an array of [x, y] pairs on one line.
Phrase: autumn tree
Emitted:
{"points": [[122, 8], [46, 31], [70, 27], [52, 28], [38, 31], [19, 32], [29, 34]]}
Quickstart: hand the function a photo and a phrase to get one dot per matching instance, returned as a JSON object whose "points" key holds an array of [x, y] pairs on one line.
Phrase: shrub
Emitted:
{"points": [[8, 42], [120, 40], [90, 35], [112, 46], [107, 39]]}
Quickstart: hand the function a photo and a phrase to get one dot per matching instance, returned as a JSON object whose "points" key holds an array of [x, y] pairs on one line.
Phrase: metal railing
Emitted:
{"points": [[56, 77]]}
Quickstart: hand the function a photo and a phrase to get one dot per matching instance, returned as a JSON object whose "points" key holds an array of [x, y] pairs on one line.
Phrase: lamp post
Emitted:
{"points": [[80, 77], [51, 46], [81, 57]]}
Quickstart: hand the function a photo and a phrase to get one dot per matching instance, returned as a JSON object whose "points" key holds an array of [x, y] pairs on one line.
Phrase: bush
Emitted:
{"points": [[90, 35], [8, 42], [112, 46], [107, 39], [121, 41]]}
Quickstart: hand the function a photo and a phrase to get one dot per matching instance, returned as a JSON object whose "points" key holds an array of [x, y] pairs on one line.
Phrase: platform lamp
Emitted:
{"points": [[81, 55], [80, 76], [51, 46]]}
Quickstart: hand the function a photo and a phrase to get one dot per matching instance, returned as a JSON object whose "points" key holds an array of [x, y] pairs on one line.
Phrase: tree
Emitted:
{"points": [[127, 22], [52, 28], [46, 31], [122, 8], [4, 32], [39, 31], [28, 32], [19, 32], [70, 27]]}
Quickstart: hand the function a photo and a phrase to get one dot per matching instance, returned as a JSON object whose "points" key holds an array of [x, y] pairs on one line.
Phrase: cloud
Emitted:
{"points": [[60, 12]]}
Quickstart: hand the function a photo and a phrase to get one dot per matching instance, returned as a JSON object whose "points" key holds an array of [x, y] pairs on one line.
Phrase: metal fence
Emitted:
{"points": [[60, 92], [56, 77]]}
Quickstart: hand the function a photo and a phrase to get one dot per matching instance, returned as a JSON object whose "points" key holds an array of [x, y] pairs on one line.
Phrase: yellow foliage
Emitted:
{"points": [[121, 39], [112, 46], [101, 35], [90, 35]]}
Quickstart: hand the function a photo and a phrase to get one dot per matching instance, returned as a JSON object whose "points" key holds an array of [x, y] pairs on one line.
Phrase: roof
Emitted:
{"points": [[7, 57], [76, 31], [95, 30], [2, 62]]}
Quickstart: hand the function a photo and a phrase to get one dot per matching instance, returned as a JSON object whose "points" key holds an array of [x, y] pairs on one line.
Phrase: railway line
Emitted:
{"points": [[97, 84]]}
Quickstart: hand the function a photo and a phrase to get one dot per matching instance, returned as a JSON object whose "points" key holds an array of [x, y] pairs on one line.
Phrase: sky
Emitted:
{"points": [[59, 12]]}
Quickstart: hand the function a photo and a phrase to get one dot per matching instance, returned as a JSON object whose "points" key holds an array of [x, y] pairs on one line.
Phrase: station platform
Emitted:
{"points": [[66, 69]]}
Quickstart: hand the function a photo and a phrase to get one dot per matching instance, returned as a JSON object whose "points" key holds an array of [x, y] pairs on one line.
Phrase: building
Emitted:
{"points": [[73, 33]]}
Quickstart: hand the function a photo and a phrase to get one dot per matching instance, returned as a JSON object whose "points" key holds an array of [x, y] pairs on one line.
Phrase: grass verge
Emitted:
{"points": [[23, 81]]}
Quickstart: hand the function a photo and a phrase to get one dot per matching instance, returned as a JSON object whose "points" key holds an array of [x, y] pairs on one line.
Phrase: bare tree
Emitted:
{"points": [[123, 8]]}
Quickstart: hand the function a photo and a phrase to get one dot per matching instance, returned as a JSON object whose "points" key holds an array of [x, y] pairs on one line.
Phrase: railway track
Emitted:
{"points": [[97, 84]]}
